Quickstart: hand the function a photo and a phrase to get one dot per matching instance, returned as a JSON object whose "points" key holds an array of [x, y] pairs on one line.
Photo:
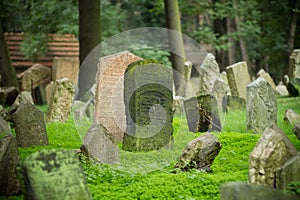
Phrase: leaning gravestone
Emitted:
{"points": [[238, 78], [270, 153], [246, 191], [148, 106], [109, 103], [202, 114], [34, 76], [263, 74], [30, 126], [291, 117], [231, 103], [54, 175], [199, 153], [9, 160], [60, 104], [100, 145], [261, 106], [294, 64], [209, 72], [64, 67]]}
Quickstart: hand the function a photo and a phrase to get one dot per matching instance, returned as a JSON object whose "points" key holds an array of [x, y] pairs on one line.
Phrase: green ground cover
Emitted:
{"points": [[150, 175]]}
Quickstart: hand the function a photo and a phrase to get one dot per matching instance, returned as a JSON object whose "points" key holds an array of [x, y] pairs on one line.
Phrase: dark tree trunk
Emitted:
{"points": [[221, 55], [231, 50], [89, 38], [175, 43], [7, 71], [293, 26]]}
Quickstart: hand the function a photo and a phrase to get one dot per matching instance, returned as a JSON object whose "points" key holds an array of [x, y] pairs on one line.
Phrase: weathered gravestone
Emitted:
{"points": [[209, 72], [60, 104], [291, 117], [225, 79], [64, 67], [281, 89], [148, 106], [263, 74], [261, 106], [100, 145], [109, 103], [245, 191], [30, 126], [33, 77], [54, 175], [294, 64], [199, 153], [9, 160], [238, 79], [270, 153], [289, 172], [202, 114], [233, 103], [49, 89]]}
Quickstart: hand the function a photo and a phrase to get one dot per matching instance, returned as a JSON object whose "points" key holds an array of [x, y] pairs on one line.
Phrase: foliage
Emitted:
{"points": [[294, 188]]}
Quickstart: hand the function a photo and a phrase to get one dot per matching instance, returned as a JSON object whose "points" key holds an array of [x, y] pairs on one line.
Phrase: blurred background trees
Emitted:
{"points": [[262, 32]]}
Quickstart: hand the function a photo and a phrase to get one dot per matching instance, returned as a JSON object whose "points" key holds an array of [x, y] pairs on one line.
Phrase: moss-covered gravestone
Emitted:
{"points": [[54, 175], [148, 106], [202, 114], [30, 126]]}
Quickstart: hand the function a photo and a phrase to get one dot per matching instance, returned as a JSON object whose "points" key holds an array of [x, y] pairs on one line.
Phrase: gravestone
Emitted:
{"points": [[202, 114], [294, 64], [271, 152], [9, 161], [291, 117], [148, 106], [64, 67], [281, 89], [225, 79], [289, 172], [33, 77], [209, 72], [109, 103], [231, 103], [263, 74], [4, 127], [3, 97], [54, 175], [30, 126], [11, 94], [60, 104], [100, 145], [246, 191], [238, 78], [49, 89], [219, 92], [261, 106], [199, 153]]}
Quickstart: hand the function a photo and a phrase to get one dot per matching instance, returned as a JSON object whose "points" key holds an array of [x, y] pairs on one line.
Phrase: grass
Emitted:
{"points": [[149, 175]]}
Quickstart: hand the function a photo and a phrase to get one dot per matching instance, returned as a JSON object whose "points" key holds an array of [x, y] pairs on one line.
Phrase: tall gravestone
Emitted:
{"points": [[54, 175], [148, 106], [64, 67], [238, 78], [30, 126], [61, 100], [294, 64], [202, 114], [271, 152], [261, 106], [109, 103]]}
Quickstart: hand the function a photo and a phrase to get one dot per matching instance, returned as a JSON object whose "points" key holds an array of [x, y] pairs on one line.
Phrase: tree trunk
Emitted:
{"points": [[231, 50], [89, 38], [175, 45], [220, 29], [7, 72], [243, 46], [293, 26]]}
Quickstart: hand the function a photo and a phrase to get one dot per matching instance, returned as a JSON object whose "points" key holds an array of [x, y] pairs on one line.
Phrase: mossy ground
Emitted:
{"points": [[149, 175]]}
